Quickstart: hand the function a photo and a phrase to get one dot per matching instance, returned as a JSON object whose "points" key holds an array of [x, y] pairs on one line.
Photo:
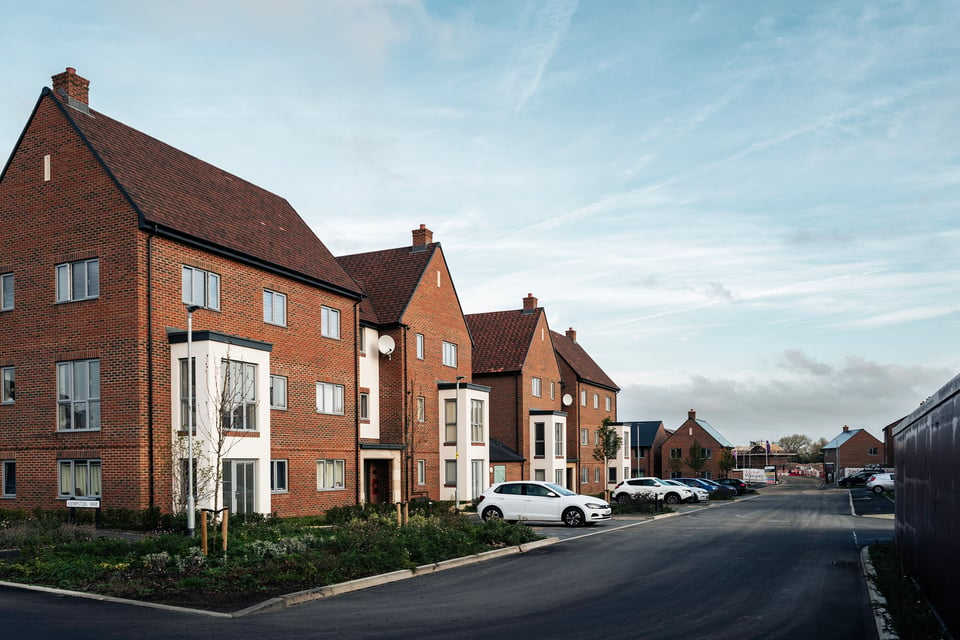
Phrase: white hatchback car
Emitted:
{"points": [[540, 502], [880, 482]]}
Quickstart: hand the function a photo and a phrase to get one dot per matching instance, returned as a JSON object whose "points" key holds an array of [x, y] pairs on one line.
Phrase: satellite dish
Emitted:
{"points": [[567, 399], [386, 345]]}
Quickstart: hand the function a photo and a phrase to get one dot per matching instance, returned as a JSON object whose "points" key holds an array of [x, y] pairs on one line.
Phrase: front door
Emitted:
{"points": [[239, 486]]}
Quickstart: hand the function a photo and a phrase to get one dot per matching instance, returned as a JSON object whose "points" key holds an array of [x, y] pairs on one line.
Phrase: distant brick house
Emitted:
{"points": [[646, 442], [852, 449], [676, 448], [588, 396], [514, 356], [111, 238], [425, 429]]}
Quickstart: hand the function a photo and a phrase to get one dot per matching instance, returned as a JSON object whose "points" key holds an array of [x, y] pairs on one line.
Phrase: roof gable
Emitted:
{"points": [[181, 196], [644, 434], [582, 364], [502, 339], [389, 277]]}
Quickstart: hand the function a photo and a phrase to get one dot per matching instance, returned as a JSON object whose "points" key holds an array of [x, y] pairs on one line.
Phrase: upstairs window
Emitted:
{"points": [[421, 409], [449, 354], [536, 387], [78, 395], [6, 286], [607, 402], [78, 280], [420, 346], [476, 420], [9, 375], [676, 454], [583, 398], [539, 440], [558, 448], [239, 399], [364, 405], [450, 421], [201, 288], [330, 398], [278, 392], [274, 308], [329, 322]]}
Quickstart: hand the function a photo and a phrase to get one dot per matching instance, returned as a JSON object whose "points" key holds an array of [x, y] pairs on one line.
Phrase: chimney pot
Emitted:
{"points": [[691, 415], [422, 236], [846, 428], [529, 303], [70, 86]]}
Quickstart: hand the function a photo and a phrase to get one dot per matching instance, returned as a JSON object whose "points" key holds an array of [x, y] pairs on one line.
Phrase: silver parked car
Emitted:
{"points": [[880, 482]]}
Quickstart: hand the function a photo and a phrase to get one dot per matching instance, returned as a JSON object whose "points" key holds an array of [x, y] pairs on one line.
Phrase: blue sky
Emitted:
{"points": [[747, 208]]}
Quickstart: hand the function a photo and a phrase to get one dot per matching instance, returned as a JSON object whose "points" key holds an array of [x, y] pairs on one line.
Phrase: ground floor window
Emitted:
{"points": [[80, 478], [584, 475], [278, 476], [450, 473], [421, 472], [8, 469], [540, 474], [329, 474]]}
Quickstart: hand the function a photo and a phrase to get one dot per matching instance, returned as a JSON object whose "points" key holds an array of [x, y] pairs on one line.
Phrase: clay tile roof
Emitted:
{"points": [[197, 202], [501, 339], [581, 363], [389, 278]]}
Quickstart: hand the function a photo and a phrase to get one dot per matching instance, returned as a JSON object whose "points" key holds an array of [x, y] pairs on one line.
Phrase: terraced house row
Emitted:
{"points": [[155, 306]]}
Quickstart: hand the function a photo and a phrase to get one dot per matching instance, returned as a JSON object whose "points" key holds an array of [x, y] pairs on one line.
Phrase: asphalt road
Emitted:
{"points": [[783, 564]]}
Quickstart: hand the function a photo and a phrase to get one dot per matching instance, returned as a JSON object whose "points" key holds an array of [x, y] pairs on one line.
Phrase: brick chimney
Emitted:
{"points": [[572, 334], [846, 428], [529, 303], [422, 236], [69, 86], [691, 415]]}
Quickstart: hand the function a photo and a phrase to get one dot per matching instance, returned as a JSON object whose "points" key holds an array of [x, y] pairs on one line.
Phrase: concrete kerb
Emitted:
{"points": [[878, 603]]}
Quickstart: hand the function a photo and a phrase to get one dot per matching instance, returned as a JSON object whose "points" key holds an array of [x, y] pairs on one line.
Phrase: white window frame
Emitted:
{"points": [[536, 387], [596, 474], [558, 476], [330, 398], [274, 308], [607, 402], [67, 471], [6, 292], [190, 278], [476, 421], [553, 390], [84, 274], [240, 399], [449, 354], [540, 474], [279, 476], [420, 346], [330, 475], [421, 409], [364, 407], [584, 475], [450, 421], [330, 322], [559, 450], [185, 397], [583, 397], [278, 392], [450, 473], [584, 437], [421, 472], [8, 478], [596, 401], [8, 385], [70, 398]]}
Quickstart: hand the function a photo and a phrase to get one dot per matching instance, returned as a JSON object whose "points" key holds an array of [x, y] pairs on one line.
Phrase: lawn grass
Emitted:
{"points": [[912, 617]]}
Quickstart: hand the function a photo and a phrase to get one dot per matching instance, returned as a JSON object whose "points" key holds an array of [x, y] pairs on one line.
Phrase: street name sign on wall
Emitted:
{"points": [[84, 504]]}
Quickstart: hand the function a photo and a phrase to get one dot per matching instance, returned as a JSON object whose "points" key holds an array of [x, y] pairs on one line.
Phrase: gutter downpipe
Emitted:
{"points": [[151, 471], [356, 395]]}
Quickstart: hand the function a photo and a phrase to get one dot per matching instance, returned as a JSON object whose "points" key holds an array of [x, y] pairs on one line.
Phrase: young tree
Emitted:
{"points": [[607, 449], [726, 461], [695, 459]]}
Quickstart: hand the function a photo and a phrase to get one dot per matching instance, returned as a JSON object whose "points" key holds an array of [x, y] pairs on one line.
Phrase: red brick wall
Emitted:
{"points": [[682, 439]]}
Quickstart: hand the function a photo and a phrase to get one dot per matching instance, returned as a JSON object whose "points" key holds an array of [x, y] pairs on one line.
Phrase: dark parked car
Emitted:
{"points": [[738, 484], [709, 485], [859, 479]]}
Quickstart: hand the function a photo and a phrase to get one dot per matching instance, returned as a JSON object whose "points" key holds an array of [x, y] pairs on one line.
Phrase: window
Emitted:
{"points": [[553, 390], [596, 401], [278, 476], [78, 395], [239, 410], [449, 354], [872, 451], [78, 280], [421, 409], [79, 478], [706, 453], [676, 454], [364, 405], [200, 287], [8, 469], [186, 394], [6, 286], [8, 394], [449, 420], [329, 323], [706, 474], [450, 473], [558, 449], [421, 472], [363, 340], [539, 440], [329, 475], [584, 475], [420, 346], [539, 474], [585, 437], [476, 420], [641, 452], [330, 398], [274, 308], [536, 385], [596, 474], [606, 400], [278, 392], [626, 444], [583, 398], [612, 474]]}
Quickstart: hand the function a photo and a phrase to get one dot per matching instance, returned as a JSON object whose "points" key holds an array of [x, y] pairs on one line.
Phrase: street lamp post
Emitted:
{"points": [[456, 486], [191, 501]]}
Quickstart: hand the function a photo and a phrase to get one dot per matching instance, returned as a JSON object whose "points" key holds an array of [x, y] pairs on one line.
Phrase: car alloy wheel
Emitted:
{"points": [[878, 489], [624, 498], [492, 513], [573, 517], [672, 498]]}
